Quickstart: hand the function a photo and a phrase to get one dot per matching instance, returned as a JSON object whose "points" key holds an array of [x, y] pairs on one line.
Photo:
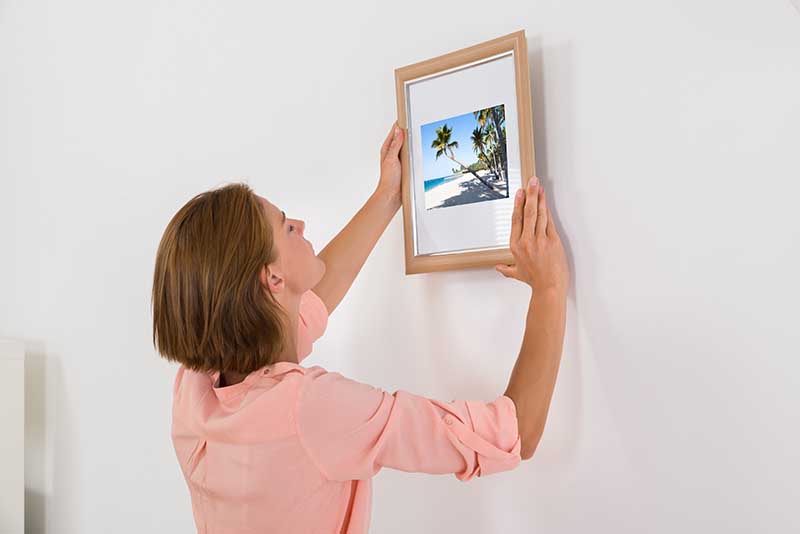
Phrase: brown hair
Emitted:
{"points": [[210, 310]]}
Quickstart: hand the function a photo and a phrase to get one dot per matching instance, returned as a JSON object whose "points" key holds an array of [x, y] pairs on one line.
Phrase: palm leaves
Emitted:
{"points": [[497, 115], [442, 142], [478, 141], [488, 139], [444, 147]]}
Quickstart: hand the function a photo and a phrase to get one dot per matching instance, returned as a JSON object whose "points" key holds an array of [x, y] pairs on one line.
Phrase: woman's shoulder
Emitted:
{"points": [[290, 372], [289, 381]]}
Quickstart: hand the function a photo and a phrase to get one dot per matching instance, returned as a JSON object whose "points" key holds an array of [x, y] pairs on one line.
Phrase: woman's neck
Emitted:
{"points": [[229, 378], [289, 353]]}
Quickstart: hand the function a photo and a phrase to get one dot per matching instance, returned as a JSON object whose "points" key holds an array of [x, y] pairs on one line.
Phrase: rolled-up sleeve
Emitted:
{"points": [[351, 430]]}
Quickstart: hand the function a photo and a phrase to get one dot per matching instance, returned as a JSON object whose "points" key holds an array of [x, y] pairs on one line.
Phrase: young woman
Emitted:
{"points": [[268, 445]]}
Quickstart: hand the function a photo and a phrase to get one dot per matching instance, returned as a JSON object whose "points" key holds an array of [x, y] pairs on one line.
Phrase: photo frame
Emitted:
{"points": [[467, 116]]}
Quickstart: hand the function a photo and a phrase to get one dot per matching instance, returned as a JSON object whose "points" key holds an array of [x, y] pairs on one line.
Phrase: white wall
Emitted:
{"points": [[668, 134]]}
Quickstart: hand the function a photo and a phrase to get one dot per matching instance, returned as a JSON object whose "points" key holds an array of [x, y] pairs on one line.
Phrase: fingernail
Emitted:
{"points": [[519, 193], [397, 131]]}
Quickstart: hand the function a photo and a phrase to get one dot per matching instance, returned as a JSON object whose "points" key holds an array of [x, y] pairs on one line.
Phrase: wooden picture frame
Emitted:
{"points": [[494, 173]]}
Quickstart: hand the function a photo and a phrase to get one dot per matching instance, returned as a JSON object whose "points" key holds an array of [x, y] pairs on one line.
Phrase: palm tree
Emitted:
{"points": [[487, 146], [493, 120], [478, 139], [443, 145], [499, 118], [481, 116]]}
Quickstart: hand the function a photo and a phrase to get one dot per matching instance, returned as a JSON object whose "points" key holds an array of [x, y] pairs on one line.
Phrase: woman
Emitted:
{"points": [[268, 445]]}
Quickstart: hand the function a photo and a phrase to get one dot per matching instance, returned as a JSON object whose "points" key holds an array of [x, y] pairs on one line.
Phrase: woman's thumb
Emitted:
{"points": [[505, 270], [397, 142]]}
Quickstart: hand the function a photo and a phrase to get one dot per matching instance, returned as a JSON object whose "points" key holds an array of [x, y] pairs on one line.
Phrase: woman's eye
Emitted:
{"points": [[291, 227]]}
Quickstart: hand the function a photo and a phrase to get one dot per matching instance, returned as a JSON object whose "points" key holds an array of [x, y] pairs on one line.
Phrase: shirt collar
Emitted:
{"points": [[228, 393]]}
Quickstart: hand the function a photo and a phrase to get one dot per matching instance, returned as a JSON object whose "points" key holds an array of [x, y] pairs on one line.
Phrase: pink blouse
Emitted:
{"points": [[293, 449]]}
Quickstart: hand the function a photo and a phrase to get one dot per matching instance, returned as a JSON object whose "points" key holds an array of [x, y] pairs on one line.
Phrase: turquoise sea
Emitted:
{"points": [[430, 184]]}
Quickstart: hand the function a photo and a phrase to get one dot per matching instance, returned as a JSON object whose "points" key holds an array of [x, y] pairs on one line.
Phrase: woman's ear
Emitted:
{"points": [[271, 279]]}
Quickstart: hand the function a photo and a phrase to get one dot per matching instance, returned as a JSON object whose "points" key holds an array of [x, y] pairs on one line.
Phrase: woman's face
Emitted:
{"points": [[297, 262]]}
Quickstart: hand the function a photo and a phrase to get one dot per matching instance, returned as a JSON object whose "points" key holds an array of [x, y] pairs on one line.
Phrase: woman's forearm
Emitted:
{"points": [[534, 375], [346, 253]]}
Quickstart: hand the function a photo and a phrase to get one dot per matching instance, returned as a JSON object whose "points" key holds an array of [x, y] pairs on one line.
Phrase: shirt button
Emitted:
{"points": [[448, 420]]}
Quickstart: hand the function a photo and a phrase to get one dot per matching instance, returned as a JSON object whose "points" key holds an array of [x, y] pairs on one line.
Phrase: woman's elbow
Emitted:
{"points": [[528, 445]]}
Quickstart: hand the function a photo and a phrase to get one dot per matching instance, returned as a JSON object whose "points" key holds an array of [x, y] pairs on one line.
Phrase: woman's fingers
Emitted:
{"points": [[517, 229], [397, 141], [388, 141], [531, 209], [509, 271], [541, 217], [551, 228], [516, 216]]}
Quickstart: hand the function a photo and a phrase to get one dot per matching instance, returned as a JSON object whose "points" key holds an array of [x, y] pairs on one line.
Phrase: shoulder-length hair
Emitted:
{"points": [[210, 309]]}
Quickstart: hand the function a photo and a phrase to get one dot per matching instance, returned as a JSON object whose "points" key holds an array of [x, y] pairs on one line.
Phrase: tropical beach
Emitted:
{"points": [[476, 143], [463, 189]]}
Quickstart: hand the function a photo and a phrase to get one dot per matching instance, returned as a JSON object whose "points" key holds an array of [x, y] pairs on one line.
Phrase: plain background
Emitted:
{"points": [[668, 136]]}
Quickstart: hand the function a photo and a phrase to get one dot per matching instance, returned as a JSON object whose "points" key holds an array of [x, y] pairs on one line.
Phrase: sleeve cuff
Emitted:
{"points": [[492, 433]]}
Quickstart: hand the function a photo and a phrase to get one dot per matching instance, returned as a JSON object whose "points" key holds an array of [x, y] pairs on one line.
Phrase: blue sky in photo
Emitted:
{"points": [[462, 126]]}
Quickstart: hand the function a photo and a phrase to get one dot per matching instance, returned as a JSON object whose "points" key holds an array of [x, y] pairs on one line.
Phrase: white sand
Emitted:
{"points": [[461, 188]]}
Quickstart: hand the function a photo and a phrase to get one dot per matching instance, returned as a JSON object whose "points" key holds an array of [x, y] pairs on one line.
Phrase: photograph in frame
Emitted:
{"points": [[475, 144]]}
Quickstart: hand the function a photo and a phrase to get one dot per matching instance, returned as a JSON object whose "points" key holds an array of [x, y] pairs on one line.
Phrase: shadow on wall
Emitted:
{"points": [[552, 73], [559, 61], [558, 452], [48, 452]]}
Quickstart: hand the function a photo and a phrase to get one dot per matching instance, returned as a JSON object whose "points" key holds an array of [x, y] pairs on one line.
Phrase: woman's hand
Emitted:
{"points": [[391, 169], [535, 244]]}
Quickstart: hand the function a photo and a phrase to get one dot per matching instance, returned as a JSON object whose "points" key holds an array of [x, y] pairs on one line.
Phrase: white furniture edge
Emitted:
{"points": [[12, 444]]}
